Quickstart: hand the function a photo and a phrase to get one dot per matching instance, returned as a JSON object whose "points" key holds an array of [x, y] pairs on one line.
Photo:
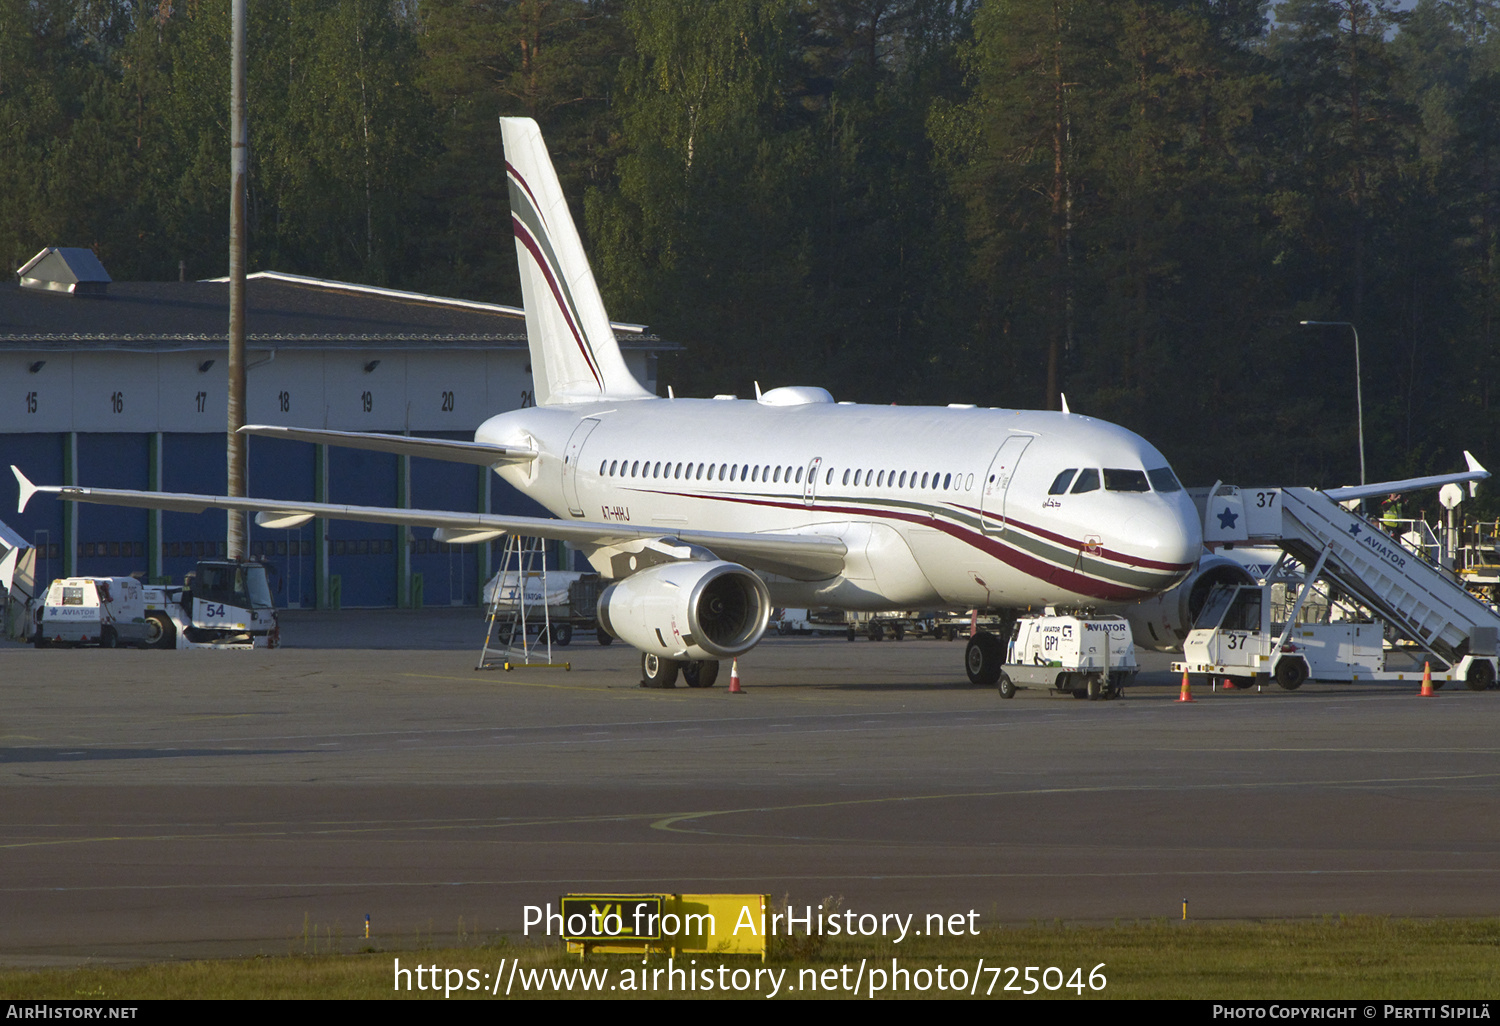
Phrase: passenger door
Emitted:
{"points": [[570, 464], [997, 481]]}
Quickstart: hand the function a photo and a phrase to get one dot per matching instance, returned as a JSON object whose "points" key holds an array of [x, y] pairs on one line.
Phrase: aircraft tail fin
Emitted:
{"points": [[574, 354]]}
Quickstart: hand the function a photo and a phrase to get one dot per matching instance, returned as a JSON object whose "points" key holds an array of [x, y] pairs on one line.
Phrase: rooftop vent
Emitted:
{"points": [[65, 269]]}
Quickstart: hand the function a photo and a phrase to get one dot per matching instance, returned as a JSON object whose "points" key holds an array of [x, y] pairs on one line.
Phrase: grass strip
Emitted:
{"points": [[1359, 958]]}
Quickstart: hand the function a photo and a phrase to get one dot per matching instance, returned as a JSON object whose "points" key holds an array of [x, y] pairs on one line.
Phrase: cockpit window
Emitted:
{"points": [[1088, 481], [1060, 484], [1116, 480], [1163, 480]]}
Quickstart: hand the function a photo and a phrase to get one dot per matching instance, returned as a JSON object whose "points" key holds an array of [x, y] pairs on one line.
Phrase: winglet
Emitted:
{"points": [[1474, 466], [1064, 403], [27, 488]]}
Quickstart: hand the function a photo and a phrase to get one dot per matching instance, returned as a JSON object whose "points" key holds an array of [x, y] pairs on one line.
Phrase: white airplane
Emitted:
{"points": [[707, 512]]}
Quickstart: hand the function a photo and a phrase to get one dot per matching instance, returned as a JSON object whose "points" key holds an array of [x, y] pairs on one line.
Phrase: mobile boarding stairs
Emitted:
{"points": [[1420, 601]]}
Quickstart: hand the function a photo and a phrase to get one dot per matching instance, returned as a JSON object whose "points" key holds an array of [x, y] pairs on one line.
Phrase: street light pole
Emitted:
{"points": [[239, 143], [1359, 393]]}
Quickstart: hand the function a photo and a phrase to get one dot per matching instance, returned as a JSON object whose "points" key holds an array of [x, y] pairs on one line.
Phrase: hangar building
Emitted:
{"points": [[124, 385]]}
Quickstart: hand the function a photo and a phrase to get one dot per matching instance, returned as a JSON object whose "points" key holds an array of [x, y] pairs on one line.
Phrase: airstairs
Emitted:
{"points": [[1423, 602]]}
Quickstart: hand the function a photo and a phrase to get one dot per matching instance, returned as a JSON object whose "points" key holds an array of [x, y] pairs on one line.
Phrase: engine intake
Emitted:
{"points": [[1162, 622], [693, 609]]}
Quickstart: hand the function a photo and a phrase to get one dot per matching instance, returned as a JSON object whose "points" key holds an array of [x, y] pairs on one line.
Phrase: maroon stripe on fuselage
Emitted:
{"points": [[1049, 573], [1118, 557]]}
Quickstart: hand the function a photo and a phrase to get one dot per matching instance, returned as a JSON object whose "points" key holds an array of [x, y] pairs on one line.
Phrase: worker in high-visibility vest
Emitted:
{"points": [[1390, 516]]}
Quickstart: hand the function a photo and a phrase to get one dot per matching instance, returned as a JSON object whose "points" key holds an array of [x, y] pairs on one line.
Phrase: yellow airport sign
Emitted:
{"points": [[719, 924]]}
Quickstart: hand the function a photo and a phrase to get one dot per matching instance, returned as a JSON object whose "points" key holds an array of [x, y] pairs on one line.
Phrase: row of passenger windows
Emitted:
{"points": [[904, 479], [701, 471], [1115, 480], [780, 475]]}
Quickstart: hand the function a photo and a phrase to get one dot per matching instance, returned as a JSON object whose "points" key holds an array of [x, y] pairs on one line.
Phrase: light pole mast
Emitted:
{"points": [[238, 163], [1359, 394]]}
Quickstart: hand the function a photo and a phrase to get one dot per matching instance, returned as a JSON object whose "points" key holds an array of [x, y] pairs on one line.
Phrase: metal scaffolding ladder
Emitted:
{"points": [[513, 612]]}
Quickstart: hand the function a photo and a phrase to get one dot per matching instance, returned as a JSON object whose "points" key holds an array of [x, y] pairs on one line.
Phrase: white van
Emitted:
{"points": [[103, 611]]}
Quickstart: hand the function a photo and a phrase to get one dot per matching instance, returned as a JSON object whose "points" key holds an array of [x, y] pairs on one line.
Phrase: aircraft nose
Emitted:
{"points": [[1168, 533]]}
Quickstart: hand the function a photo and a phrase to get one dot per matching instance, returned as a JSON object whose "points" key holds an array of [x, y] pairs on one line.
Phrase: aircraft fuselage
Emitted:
{"points": [[938, 506]]}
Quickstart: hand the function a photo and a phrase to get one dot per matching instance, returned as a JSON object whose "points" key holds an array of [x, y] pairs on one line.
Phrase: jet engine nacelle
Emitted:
{"points": [[691, 609], [1163, 622]]}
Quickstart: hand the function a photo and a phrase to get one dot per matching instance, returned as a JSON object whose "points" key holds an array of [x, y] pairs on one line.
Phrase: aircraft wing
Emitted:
{"points": [[800, 556], [403, 445], [1473, 475]]}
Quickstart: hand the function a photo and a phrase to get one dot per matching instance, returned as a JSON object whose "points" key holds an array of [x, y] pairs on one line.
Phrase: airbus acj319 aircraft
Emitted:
{"points": [[707, 512]]}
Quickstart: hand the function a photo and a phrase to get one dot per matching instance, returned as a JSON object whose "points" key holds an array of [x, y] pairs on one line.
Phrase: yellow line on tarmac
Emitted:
{"points": [[668, 823]]}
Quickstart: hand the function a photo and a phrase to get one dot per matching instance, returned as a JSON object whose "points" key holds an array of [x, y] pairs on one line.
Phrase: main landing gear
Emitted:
{"points": [[984, 659], [657, 672]]}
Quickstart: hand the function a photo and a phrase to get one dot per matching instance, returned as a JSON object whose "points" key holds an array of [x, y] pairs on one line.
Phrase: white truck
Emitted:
{"points": [[1252, 632], [224, 603], [813, 621], [1088, 657], [571, 602]]}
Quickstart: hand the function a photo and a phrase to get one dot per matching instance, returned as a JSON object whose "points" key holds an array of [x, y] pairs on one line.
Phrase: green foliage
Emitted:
{"points": [[129, 150], [1134, 202], [552, 60], [777, 209]]}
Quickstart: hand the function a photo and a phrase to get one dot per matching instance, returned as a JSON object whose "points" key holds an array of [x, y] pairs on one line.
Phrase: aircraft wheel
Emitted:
{"points": [[40, 639], [657, 672], [852, 634], [1095, 688], [159, 631], [603, 636], [1481, 676], [876, 632], [700, 673], [898, 632], [1291, 673], [983, 659], [108, 638], [1007, 686], [562, 634]]}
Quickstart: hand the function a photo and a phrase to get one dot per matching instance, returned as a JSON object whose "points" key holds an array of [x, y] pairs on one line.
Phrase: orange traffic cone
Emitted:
{"points": [[1427, 691], [1187, 691], [1229, 684], [734, 678]]}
